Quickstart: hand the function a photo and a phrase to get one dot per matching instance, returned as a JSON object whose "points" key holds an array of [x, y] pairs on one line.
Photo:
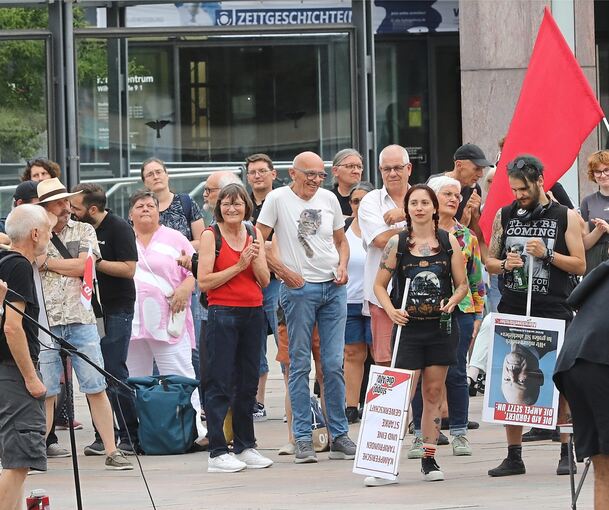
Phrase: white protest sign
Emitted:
{"points": [[384, 422], [521, 359]]}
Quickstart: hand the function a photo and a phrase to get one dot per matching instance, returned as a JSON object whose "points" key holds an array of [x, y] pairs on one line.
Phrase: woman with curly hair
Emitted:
{"points": [[39, 169]]}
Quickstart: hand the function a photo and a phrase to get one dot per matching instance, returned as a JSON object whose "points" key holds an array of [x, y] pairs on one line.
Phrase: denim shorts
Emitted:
{"points": [[86, 340], [357, 329]]}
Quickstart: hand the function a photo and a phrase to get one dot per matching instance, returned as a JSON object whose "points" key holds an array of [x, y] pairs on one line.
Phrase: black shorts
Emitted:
{"points": [[22, 423], [423, 345], [586, 387]]}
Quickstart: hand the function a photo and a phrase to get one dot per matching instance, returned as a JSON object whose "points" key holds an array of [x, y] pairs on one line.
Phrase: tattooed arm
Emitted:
{"points": [[387, 267], [493, 261]]}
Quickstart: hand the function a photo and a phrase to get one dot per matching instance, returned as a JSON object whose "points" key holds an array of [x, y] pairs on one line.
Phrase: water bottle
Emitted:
{"points": [[445, 323], [519, 275], [38, 500]]}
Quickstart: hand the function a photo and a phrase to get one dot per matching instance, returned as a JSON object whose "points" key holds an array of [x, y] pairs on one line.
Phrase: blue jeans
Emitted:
{"points": [[269, 305], [115, 346], [326, 304], [197, 317], [457, 394], [233, 358]]}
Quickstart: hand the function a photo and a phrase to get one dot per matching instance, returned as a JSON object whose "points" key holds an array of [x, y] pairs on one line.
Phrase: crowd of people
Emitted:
{"points": [[322, 270]]}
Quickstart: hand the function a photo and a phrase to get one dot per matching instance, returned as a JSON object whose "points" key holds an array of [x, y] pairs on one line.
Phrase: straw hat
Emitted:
{"points": [[52, 189]]}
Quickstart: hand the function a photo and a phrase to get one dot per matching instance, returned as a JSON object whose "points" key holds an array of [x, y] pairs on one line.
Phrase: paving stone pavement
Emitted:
{"points": [[182, 482]]}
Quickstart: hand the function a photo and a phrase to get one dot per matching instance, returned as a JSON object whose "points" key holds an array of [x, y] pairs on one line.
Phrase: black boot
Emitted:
{"points": [[352, 414], [536, 434], [511, 465], [563, 463]]}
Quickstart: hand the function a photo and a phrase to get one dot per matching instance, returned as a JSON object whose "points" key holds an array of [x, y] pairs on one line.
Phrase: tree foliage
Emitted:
{"points": [[23, 74]]}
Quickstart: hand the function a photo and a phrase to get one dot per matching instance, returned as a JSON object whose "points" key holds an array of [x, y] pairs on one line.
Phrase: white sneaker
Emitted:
{"points": [[225, 463], [253, 459], [375, 481], [287, 449]]}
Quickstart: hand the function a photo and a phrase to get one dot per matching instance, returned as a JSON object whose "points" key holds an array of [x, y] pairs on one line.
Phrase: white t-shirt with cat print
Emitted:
{"points": [[304, 231]]}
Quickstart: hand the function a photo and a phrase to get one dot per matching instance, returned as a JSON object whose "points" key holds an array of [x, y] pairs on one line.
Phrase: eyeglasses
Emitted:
{"points": [[158, 172], [236, 205], [261, 172], [207, 190], [388, 169], [598, 173], [312, 174], [355, 201], [451, 194], [353, 166]]}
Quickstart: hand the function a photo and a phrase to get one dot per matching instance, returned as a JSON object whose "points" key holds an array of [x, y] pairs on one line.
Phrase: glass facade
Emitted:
{"points": [[218, 99], [418, 99]]}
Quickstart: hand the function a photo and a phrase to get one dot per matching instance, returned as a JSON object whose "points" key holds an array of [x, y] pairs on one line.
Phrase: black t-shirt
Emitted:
{"points": [[345, 205], [466, 192], [116, 244], [18, 274]]}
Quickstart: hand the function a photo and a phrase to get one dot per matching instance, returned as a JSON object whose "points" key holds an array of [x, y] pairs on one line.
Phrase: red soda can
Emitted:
{"points": [[38, 500]]}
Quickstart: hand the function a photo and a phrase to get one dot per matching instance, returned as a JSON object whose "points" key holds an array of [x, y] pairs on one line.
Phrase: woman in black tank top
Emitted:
{"points": [[432, 259]]}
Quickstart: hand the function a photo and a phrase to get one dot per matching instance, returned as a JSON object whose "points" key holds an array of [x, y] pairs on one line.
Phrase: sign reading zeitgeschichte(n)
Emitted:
{"points": [[384, 422], [521, 358]]}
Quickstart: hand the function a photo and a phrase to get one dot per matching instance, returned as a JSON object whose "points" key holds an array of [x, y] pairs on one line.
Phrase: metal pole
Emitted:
{"points": [[57, 142], [363, 70], [398, 333], [531, 260], [73, 173]]}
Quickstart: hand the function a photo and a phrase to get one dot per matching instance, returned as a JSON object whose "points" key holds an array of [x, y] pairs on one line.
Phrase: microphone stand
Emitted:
{"points": [[67, 349]]}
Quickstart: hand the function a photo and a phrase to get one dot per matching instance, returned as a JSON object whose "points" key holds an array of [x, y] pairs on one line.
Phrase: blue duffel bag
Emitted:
{"points": [[167, 418]]}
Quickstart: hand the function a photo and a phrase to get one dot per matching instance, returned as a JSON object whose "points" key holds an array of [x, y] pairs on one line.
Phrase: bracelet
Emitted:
{"points": [[503, 262], [549, 258]]}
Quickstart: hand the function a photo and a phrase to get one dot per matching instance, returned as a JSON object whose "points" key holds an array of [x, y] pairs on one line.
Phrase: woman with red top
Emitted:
{"points": [[233, 279]]}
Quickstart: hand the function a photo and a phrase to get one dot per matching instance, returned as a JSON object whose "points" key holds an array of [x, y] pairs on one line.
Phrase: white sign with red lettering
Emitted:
{"points": [[384, 422]]}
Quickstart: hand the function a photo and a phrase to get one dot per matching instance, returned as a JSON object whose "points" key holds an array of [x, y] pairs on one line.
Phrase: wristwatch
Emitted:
{"points": [[549, 258]]}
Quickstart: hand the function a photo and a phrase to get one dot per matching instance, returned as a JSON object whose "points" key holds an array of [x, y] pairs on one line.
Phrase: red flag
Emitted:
{"points": [[86, 289], [555, 113]]}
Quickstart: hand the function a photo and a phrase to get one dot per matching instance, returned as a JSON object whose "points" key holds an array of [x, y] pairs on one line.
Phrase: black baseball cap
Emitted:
{"points": [[473, 153], [26, 191]]}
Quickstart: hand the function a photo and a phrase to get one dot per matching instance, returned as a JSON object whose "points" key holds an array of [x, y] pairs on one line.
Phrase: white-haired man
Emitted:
{"points": [[22, 391], [381, 216]]}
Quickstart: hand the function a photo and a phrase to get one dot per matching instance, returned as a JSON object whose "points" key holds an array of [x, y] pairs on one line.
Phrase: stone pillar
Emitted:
{"points": [[496, 42]]}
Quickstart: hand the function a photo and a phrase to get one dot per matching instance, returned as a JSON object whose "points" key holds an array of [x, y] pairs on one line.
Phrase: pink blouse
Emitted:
{"points": [[152, 312]]}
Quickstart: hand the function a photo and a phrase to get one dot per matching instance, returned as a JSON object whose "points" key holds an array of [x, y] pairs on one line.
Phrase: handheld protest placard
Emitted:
{"points": [[385, 417], [522, 355]]}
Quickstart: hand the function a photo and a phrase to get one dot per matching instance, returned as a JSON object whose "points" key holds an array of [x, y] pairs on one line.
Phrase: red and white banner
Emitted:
{"points": [[384, 422], [86, 289]]}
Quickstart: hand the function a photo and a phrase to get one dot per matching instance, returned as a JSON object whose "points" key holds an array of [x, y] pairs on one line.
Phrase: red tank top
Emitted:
{"points": [[241, 290]]}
